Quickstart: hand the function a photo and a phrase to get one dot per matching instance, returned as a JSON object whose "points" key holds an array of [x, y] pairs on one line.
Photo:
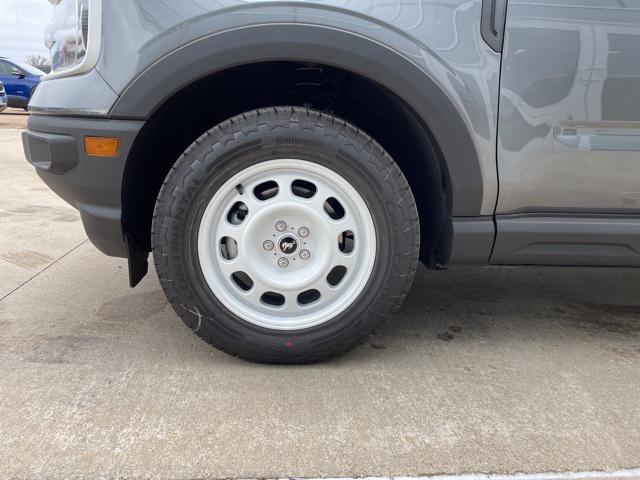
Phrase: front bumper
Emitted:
{"points": [[3, 103], [54, 145]]}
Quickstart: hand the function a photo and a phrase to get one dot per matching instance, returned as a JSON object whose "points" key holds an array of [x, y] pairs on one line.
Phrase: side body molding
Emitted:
{"points": [[339, 48]]}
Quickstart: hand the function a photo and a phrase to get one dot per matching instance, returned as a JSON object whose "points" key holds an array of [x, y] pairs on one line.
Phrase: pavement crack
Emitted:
{"points": [[43, 270]]}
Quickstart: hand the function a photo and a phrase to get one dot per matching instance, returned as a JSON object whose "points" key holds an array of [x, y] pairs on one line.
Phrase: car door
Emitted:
{"points": [[569, 133], [6, 77]]}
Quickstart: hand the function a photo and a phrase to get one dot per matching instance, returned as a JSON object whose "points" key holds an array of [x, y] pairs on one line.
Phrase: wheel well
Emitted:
{"points": [[369, 106]]}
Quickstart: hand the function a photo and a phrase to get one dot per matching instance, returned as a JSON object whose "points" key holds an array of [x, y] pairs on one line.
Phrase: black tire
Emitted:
{"points": [[284, 132]]}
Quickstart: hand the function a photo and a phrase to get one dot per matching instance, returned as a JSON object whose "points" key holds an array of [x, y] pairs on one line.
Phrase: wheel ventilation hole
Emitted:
{"points": [[336, 275], [304, 189], [242, 280], [308, 296], [237, 213], [272, 299], [228, 248], [266, 190], [346, 241], [334, 208]]}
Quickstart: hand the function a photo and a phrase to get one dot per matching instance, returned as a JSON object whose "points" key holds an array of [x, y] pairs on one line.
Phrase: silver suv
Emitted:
{"points": [[289, 163]]}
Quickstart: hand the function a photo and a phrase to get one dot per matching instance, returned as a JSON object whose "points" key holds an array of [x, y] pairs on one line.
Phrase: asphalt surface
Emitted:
{"points": [[495, 370]]}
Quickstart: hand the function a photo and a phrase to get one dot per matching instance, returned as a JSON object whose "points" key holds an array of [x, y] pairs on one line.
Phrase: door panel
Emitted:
{"points": [[569, 116], [10, 81]]}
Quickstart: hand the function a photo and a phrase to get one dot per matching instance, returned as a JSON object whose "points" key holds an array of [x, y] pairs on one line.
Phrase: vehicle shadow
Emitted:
{"points": [[474, 307], [484, 305], [459, 308]]}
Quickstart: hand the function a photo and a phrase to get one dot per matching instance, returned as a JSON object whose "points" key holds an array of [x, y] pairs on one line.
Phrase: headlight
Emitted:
{"points": [[67, 36]]}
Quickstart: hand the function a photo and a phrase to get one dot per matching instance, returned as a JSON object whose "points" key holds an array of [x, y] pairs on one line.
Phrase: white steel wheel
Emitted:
{"points": [[286, 244], [285, 235]]}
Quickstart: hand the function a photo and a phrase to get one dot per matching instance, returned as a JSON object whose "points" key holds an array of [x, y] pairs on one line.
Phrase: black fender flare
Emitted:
{"points": [[319, 44]]}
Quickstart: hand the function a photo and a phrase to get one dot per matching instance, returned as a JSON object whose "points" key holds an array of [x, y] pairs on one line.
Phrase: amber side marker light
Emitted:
{"points": [[102, 146]]}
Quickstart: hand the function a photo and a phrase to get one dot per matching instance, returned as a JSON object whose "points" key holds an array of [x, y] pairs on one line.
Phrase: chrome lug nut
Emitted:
{"points": [[268, 245], [303, 232], [305, 254], [281, 226], [283, 262]]}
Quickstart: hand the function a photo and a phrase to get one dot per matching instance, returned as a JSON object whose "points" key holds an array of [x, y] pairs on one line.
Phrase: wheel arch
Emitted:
{"points": [[434, 111], [312, 43]]}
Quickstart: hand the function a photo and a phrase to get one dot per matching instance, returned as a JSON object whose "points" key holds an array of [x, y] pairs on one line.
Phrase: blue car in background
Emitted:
{"points": [[20, 81], [3, 98]]}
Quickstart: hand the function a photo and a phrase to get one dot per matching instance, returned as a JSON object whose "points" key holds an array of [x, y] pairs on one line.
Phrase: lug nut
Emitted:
{"points": [[305, 254], [283, 262], [268, 245], [281, 226], [303, 232]]}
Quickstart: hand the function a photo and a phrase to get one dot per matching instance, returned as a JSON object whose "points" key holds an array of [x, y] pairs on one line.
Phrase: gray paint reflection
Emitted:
{"points": [[441, 37], [570, 109]]}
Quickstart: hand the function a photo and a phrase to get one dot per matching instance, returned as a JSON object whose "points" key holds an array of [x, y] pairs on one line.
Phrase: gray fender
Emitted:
{"points": [[335, 47]]}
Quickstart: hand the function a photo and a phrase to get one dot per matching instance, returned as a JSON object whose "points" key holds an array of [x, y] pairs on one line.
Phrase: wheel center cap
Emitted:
{"points": [[288, 245]]}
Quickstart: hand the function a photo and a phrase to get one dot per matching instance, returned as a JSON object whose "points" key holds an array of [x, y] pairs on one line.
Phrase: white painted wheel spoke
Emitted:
{"points": [[343, 225], [326, 291], [225, 229], [291, 302], [231, 266], [252, 203], [349, 261], [286, 245], [320, 197], [284, 182], [257, 290]]}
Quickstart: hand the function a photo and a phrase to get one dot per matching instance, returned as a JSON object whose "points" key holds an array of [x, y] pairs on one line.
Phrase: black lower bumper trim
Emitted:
{"points": [[54, 145]]}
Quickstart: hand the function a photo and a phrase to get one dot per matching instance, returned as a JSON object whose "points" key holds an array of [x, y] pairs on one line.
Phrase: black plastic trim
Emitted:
{"points": [[51, 152], [16, 101], [91, 184], [314, 43], [570, 239], [472, 240], [492, 22], [137, 260]]}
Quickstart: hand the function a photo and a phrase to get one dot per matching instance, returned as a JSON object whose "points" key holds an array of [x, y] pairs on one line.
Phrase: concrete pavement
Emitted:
{"points": [[497, 370], [36, 227], [13, 118]]}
